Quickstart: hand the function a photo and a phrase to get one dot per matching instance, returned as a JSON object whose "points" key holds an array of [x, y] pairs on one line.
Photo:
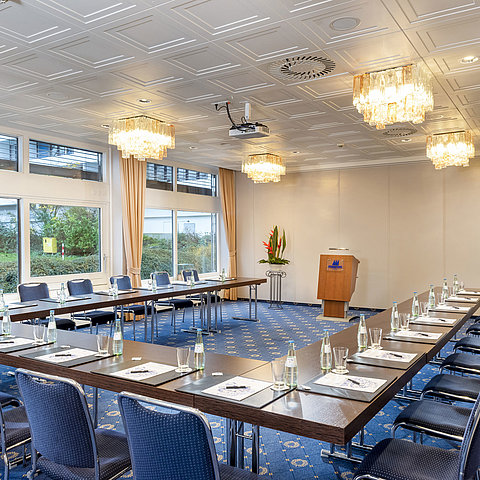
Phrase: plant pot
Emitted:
{"points": [[276, 266]]}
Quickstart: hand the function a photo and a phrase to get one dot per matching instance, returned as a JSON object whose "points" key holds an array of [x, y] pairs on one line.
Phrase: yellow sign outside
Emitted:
{"points": [[49, 245]]}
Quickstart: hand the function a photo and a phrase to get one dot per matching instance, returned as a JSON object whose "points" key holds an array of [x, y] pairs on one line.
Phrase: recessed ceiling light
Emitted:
{"points": [[344, 23], [57, 95], [469, 59], [144, 100], [105, 125], [406, 140], [192, 147], [296, 152]]}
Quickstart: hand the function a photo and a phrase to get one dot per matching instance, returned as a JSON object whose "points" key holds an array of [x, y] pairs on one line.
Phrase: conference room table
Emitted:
{"points": [[325, 417], [20, 311]]}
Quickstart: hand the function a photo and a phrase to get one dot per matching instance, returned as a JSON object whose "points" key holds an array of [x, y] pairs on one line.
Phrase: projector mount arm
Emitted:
{"points": [[246, 125]]}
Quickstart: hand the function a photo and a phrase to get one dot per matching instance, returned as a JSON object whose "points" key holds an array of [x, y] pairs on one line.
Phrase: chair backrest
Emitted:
{"points": [[80, 286], [173, 444], [187, 273], [162, 278], [32, 291], [123, 282], [59, 420], [470, 449]]}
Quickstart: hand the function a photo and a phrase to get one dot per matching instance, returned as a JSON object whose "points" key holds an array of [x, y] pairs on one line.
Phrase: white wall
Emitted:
{"points": [[409, 226]]}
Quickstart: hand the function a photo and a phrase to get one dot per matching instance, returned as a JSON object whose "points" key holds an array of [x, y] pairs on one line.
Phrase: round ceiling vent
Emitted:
{"points": [[306, 67], [399, 132]]}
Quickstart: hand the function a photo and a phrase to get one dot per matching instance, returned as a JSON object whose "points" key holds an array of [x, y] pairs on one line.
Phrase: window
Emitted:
{"points": [[64, 240], [8, 244], [159, 176], [201, 183], [197, 241], [61, 161], [8, 153], [157, 254]]}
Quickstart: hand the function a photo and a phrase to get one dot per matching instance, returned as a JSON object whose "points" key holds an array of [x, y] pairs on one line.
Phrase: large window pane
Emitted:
{"points": [[157, 254], [62, 161], [8, 244], [8, 153], [159, 176], [76, 229], [197, 241], [200, 183]]}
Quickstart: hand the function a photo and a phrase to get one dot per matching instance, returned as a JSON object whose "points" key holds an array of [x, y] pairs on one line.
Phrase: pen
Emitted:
{"points": [[354, 382], [63, 355], [395, 355], [7, 341], [422, 334], [139, 371], [232, 387]]}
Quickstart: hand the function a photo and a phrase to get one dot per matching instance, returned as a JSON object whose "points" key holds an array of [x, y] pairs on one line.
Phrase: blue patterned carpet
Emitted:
{"points": [[283, 456]]}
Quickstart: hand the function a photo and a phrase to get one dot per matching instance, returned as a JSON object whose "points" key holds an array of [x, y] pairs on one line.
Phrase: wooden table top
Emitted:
{"points": [[322, 417]]}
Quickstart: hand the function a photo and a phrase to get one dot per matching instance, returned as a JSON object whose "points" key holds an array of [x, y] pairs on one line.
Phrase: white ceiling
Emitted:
{"points": [[69, 66]]}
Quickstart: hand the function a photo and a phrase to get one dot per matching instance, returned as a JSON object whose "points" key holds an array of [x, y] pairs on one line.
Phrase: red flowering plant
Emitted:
{"points": [[275, 248]]}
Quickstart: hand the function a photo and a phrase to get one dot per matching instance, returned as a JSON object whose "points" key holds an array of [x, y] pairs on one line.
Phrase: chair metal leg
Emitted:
{"points": [[6, 474], [95, 407]]}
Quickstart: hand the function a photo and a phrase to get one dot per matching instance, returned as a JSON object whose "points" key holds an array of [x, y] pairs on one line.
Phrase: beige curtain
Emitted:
{"points": [[133, 179], [227, 197]]}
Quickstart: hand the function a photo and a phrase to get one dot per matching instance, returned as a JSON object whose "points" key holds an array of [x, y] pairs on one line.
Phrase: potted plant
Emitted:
{"points": [[275, 248]]}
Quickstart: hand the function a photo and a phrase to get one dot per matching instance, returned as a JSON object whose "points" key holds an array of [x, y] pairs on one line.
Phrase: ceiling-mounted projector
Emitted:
{"points": [[246, 129]]}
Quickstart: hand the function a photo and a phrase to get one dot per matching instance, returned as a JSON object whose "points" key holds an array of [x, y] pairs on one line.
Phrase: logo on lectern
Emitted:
{"points": [[334, 264]]}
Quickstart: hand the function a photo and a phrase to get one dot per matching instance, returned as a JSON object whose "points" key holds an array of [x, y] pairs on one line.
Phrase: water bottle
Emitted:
{"points": [[291, 366], [222, 275], [117, 338], [415, 306], [362, 335], [63, 294], [394, 319], [2, 301], [431, 298], [444, 291], [154, 282], [326, 353], [115, 288], [455, 284], [199, 351], [6, 323], [52, 328]]}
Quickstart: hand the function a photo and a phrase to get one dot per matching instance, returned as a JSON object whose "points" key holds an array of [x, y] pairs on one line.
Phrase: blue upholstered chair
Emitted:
{"points": [[64, 443], [124, 283], [452, 387], [162, 278], [175, 443], [468, 344], [95, 317], [36, 291], [394, 459], [14, 430]]}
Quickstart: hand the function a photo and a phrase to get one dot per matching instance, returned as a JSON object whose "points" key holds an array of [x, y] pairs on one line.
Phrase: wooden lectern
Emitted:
{"points": [[336, 283]]}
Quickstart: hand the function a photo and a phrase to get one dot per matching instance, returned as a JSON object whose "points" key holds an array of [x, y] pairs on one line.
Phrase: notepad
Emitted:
{"points": [[65, 355], [451, 308], [463, 299], [415, 334], [143, 370], [248, 387], [351, 382], [387, 355], [9, 342], [436, 320]]}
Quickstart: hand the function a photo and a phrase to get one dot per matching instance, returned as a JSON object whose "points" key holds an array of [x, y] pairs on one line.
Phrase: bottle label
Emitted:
{"points": [[199, 348], [117, 336], [291, 362]]}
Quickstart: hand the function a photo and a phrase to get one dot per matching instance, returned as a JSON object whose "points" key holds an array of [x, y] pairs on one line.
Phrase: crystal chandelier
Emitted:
{"points": [[450, 149], [142, 137], [264, 167], [402, 94]]}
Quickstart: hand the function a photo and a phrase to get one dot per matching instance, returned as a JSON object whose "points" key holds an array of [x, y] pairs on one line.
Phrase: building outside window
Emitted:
{"points": [[8, 244], [64, 240], [199, 183], [8, 153]]}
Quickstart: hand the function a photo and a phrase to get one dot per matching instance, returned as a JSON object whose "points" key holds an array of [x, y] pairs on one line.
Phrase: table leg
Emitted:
{"points": [[231, 438], [145, 308], [209, 328], [252, 289], [95, 407], [255, 448], [240, 444]]}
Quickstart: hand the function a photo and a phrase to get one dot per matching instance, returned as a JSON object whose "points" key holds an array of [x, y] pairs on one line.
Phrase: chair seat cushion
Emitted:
{"points": [[17, 429], [98, 317], [469, 344], [7, 399], [466, 387], [138, 309], [436, 416], [463, 361], [62, 323], [393, 459], [178, 303], [474, 329], [232, 473], [113, 454]]}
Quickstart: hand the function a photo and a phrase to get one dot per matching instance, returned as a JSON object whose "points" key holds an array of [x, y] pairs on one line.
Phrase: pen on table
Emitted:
{"points": [[139, 371], [63, 355], [7, 341], [395, 355], [354, 382], [422, 334], [232, 387]]}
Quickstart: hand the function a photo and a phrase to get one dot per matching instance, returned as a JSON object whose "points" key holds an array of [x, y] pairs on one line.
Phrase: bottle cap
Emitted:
{"points": [[52, 312], [199, 329]]}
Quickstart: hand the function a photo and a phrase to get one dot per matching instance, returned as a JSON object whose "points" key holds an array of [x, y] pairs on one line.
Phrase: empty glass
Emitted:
{"points": [[103, 342], [404, 321], [376, 337], [183, 357], [39, 334], [278, 375], [340, 355], [424, 309]]}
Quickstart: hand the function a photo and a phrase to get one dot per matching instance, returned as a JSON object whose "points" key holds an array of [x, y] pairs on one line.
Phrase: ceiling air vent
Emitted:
{"points": [[399, 132], [305, 67]]}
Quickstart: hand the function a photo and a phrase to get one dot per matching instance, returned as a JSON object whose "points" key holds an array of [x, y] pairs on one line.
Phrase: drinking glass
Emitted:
{"points": [[183, 357], [39, 334], [425, 309], [404, 321], [103, 342], [340, 355], [462, 286], [376, 337], [278, 375], [440, 299]]}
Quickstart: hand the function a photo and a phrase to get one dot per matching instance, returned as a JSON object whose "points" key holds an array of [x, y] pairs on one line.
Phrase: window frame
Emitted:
{"points": [[17, 161], [19, 235], [213, 175]]}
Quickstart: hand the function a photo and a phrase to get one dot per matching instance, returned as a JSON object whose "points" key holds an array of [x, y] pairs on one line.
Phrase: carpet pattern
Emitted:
{"points": [[283, 456]]}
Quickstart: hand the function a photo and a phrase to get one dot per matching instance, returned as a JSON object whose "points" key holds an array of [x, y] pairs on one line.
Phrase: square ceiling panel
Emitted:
{"points": [[300, 110], [102, 85], [244, 81], [331, 86], [150, 74], [43, 66], [464, 81], [25, 103], [60, 95], [10, 81], [194, 92], [152, 33], [274, 96]]}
